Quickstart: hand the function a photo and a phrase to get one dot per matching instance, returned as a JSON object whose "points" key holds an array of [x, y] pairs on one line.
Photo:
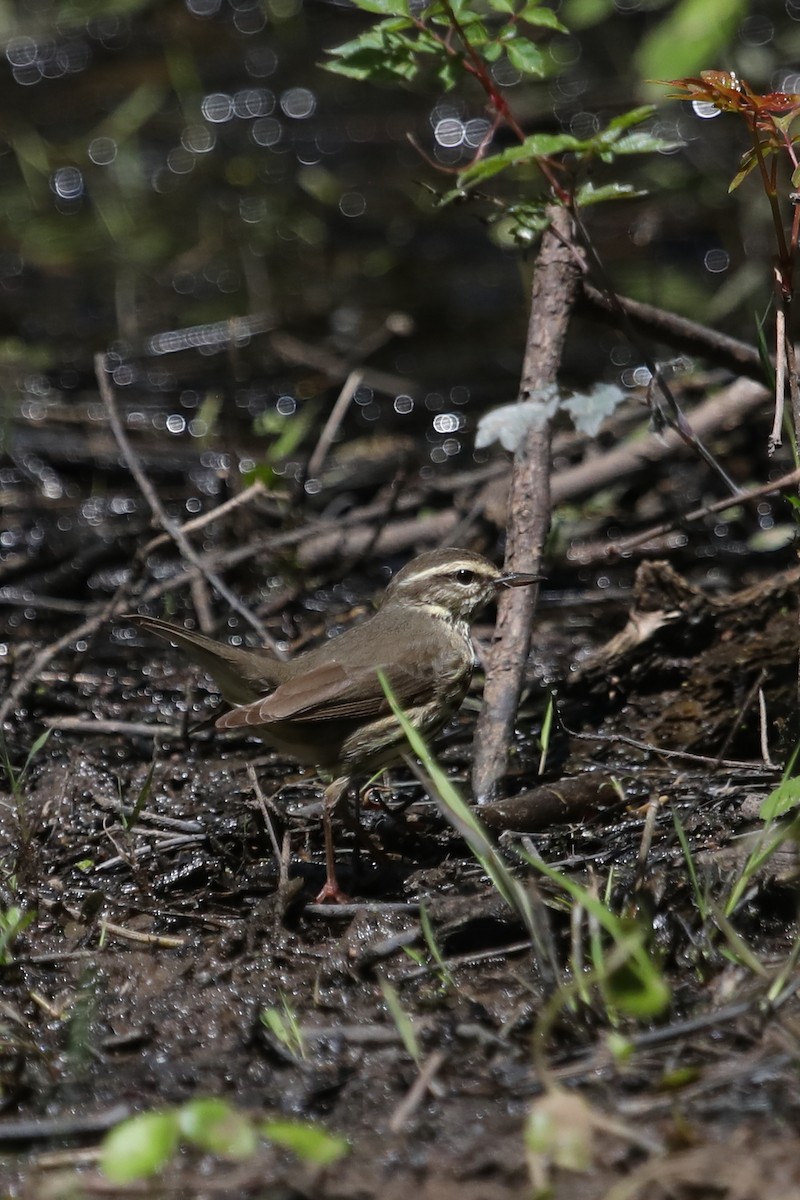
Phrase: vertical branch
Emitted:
{"points": [[556, 280]]}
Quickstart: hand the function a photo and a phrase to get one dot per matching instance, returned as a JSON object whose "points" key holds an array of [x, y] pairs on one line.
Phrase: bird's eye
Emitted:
{"points": [[465, 576]]}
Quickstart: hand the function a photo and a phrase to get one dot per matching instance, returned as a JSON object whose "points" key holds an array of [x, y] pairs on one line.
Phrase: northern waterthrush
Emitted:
{"points": [[326, 708]]}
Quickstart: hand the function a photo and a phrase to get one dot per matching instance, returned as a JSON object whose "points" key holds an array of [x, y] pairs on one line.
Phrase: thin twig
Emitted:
{"points": [[702, 760], [157, 508], [763, 729], [253, 492], [776, 433], [625, 545], [653, 806], [740, 357], [167, 941], [93, 725], [331, 427], [413, 1098]]}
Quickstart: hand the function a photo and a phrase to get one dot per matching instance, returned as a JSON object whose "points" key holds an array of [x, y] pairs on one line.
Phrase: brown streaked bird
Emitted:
{"points": [[326, 707]]}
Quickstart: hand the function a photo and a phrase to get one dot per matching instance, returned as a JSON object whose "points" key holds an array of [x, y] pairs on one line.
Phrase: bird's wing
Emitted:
{"points": [[330, 692]]}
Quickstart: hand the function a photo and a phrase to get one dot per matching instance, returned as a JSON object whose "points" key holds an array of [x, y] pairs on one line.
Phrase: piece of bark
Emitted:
{"points": [[571, 799]]}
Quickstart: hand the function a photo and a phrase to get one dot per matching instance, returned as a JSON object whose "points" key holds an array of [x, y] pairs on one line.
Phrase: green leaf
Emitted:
{"points": [[139, 1147], [783, 799], [306, 1141], [588, 194], [692, 35], [388, 8], [538, 145], [634, 116], [403, 1022], [539, 14], [382, 54], [645, 143], [749, 162], [526, 57], [216, 1126], [449, 72]]}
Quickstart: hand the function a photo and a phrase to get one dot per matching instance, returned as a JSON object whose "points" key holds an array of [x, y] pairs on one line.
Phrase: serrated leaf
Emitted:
{"points": [[525, 56], [538, 14]]}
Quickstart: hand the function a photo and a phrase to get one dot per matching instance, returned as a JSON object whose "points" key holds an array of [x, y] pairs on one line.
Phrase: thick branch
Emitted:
{"points": [[555, 286]]}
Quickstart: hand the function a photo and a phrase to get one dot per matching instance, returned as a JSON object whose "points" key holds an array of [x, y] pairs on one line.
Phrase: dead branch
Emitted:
{"points": [[739, 357], [555, 285]]}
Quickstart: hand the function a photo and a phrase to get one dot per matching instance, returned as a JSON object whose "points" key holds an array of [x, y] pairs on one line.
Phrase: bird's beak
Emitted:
{"points": [[519, 579]]}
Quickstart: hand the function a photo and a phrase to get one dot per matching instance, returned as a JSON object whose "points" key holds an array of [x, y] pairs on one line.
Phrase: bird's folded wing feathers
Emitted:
{"points": [[330, 692]]}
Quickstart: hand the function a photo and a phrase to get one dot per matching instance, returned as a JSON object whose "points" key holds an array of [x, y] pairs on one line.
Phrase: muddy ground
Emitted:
{"points": [[169, 912]]}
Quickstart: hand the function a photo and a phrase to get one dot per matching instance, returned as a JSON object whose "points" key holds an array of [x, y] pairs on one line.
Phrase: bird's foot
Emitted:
{"points": [[331, 893]]}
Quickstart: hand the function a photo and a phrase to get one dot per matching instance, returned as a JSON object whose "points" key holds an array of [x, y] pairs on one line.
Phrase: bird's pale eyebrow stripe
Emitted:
{"points": [[447, 571]]}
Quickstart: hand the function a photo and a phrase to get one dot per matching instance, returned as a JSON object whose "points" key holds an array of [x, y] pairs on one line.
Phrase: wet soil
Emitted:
{"points": [[170, 878]]}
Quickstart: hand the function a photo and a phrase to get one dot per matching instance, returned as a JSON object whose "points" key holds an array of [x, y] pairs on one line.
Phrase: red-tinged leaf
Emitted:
{"points": [[780, 102]]}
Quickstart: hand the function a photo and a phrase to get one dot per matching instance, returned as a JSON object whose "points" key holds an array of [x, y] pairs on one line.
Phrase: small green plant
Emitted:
{"points": [[463, 819], [784, 798], [630, 981], [17, 778], [285, 434], [446, 979], [130, 819], [545, 735], [141, 1146], [13, 922], [403, 1022], [285, 1028]]}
